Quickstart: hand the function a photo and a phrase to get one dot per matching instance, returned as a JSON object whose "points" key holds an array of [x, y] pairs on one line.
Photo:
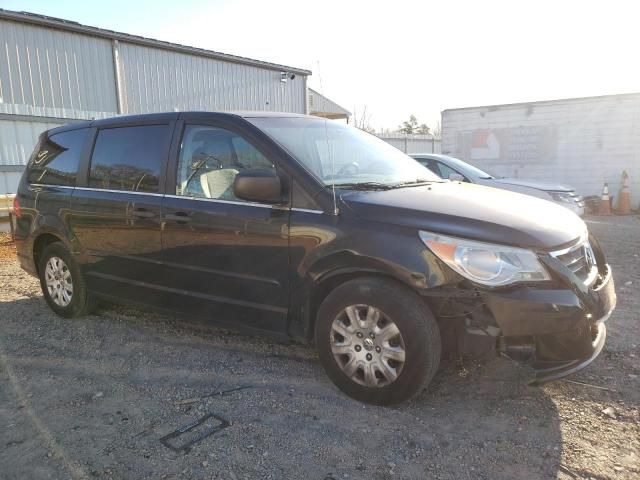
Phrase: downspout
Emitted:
{"points": [[118, 79], [305, 92]]}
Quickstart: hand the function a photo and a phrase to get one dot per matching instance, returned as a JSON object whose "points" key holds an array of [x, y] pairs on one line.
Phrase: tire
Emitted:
{"points": [[80, 302], [338, 349]]}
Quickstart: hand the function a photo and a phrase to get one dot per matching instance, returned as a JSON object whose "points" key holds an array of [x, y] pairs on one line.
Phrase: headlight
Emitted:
{"points": [[562, 197], [486, 263]]}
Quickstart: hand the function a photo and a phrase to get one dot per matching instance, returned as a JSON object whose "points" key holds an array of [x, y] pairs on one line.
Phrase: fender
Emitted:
{"points": [[396, 253], [349, 262]]}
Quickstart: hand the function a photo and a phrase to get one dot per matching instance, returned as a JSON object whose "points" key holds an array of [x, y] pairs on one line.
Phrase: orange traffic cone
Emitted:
{"points": [[605, 204], [624, 196]]}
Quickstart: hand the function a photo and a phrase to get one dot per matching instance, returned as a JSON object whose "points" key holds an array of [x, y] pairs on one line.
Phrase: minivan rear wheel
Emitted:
{"points": [[62, 282], [377, 340]]}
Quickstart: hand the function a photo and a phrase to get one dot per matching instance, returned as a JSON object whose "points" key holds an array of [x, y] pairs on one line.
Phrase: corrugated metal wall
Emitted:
{"points": [[412, 143], [9, 181], [52, 73], [155, 80], [582, 142], [17, 139], [66, 75]]}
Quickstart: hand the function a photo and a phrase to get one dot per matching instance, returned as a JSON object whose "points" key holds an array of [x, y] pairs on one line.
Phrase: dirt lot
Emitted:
{"points": [[93, 397]]}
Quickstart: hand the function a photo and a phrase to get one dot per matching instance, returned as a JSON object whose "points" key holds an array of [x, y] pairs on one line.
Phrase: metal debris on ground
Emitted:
{"points": [[589, 385], [567, 471], [194, 432]]}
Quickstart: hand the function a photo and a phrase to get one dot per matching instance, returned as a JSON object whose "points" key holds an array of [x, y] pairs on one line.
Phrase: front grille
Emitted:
{"points": [[580, 260]]}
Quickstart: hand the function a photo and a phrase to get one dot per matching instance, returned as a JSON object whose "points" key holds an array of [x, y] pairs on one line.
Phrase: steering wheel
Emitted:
{"points": [[345, 169]]}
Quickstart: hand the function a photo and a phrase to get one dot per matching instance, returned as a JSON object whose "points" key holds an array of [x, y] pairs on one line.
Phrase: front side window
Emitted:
{"points": [[430, 164], [210, 159], [338, 154], [446, 171], [57, 158], [129, 158]]}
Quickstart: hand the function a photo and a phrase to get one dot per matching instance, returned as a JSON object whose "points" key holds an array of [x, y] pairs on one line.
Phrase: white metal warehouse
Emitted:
{"points": [[54, 71]]}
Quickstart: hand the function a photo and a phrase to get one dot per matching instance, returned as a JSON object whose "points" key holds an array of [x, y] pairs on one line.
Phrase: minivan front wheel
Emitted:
{"points": [[62, 282], [377, 340]]}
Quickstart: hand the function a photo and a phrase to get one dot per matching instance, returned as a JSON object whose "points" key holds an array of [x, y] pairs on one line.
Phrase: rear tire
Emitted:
{"points": [[62, 282], [377, 340]]}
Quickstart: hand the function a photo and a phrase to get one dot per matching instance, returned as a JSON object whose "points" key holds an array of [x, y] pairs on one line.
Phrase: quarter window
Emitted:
{"points": [[210, 159], [56, 160], [129, 158]]}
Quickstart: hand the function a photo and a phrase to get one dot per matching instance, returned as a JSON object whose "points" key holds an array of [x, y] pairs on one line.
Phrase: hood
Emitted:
{"points": [[471, 211], [538, 184]]}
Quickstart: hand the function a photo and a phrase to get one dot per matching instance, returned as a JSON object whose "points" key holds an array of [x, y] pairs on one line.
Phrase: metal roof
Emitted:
{"points": [[319, 104], [69, 25]]}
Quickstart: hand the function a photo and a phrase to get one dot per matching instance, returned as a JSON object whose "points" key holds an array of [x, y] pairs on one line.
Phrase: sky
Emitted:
{"points": [[397, 58]]}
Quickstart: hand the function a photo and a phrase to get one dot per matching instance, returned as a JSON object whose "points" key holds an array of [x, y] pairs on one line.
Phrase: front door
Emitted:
{"points": [[225, 259]]}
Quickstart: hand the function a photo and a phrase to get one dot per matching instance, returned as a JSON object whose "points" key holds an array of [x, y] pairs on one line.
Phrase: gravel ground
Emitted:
{"points": [[93, 397]]}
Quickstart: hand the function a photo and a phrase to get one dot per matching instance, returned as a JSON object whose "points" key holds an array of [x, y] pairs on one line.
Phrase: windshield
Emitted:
{"points": [[340, 155], [471, 170]]}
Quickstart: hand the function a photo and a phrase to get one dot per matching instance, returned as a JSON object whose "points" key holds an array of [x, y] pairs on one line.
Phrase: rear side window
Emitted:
{"points": [[56, 160], [129, 158]]}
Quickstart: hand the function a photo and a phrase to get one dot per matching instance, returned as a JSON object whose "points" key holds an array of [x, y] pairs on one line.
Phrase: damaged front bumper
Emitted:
{"points": [[547, 371], [558, 330]]}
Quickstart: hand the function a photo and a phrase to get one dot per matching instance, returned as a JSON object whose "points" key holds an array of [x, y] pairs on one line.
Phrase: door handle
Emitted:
{"points": [[178, 217], [142, 213]]}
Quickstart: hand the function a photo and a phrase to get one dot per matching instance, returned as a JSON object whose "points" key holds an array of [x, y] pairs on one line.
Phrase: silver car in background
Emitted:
{"points": [[455, 169]]}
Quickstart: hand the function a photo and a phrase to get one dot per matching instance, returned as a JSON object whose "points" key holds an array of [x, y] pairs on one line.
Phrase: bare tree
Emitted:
{"points": [[363, 120], [437, 131]]}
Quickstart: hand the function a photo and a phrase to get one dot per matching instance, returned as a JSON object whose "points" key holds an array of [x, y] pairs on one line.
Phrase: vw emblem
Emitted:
{"points": [[589, 256], [368, 344]]}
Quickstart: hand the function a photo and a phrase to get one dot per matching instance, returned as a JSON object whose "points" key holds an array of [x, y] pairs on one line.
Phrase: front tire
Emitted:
{"points": [[377, 340], [62, 282]]}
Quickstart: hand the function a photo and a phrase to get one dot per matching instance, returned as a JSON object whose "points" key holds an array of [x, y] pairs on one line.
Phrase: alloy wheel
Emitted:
{"points": [[59, 282]]}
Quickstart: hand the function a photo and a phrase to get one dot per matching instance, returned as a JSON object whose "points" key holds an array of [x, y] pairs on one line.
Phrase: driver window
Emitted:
{"points": [[446, 171], [430, 164], [210, 159]]}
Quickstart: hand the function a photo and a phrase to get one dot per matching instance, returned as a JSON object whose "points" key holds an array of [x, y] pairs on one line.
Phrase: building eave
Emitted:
{"points": [[71, 26]]}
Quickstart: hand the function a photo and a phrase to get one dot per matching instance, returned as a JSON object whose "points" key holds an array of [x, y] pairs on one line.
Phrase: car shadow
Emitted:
{"points": [[107, 387]]}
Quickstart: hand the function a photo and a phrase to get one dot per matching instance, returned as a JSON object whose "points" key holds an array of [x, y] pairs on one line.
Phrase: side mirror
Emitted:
{"points": [[456, 177], [258, 186]]}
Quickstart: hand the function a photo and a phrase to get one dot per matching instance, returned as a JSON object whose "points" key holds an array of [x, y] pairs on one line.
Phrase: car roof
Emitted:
{"points": [[169, 116], [429, 155]]}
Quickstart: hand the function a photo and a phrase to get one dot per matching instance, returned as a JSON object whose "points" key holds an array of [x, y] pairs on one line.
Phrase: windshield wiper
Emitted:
{"points": [[362, 186], [415, 183]]}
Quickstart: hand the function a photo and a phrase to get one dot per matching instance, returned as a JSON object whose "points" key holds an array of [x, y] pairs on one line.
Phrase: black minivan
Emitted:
{"points": [[313, 230]]}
